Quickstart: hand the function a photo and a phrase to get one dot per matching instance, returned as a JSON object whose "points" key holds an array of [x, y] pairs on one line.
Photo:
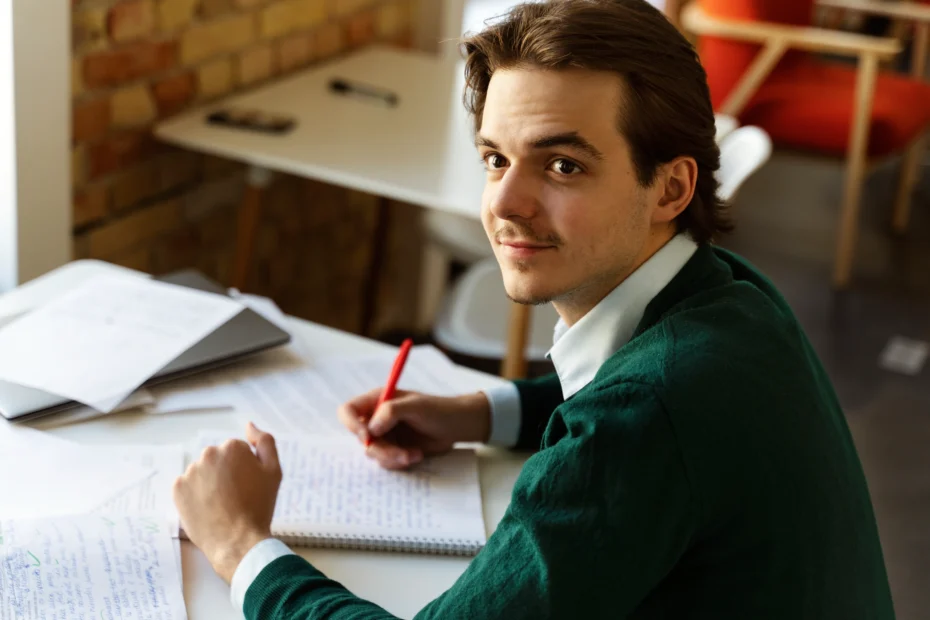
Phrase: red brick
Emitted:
{"points": [[361, 28], [295, 51], [89, 29], [91, 204], [131, 20], [329, 41], [174, 93], [404, 41], [214, 8], [114, 67], [118, 152], [90, 120]]}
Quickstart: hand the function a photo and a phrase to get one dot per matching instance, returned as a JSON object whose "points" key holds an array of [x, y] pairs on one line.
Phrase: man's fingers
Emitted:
{"points": [[358, 414], [264, 445], [391, 456], [353, 421]]}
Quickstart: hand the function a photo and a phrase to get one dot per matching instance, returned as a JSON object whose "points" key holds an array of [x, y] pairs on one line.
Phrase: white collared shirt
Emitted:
{"points": [[579, 351]]}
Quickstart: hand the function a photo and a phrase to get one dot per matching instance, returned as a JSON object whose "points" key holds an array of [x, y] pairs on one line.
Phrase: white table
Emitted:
{"points": [[401, 583], [420, 152]]}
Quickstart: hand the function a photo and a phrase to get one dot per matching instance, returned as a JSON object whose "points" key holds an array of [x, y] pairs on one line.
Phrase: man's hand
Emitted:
{"points": [[226, 499], [411, 426]]}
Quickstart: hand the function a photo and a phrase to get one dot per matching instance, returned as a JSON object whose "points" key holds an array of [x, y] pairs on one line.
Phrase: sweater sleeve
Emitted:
{"points": [[596, 521], [539, 398]]}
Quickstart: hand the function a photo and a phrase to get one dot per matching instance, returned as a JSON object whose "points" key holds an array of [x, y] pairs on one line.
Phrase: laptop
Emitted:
{"points": [[245, 334]]}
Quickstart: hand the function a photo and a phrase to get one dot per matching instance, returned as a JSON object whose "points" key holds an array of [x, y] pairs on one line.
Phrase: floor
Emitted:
{"points": [[786, 216]]}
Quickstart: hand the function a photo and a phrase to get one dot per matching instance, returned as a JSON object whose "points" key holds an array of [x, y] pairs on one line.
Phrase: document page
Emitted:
{"points": [[100, 341], [89, 567], [48, 476], [153, 494], [307, 399]]}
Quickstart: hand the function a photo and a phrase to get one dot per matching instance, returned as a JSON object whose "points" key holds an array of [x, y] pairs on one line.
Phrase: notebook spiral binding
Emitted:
{"points": [[433, 546]]}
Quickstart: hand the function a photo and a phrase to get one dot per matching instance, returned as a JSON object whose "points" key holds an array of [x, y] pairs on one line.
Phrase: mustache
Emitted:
{"points": [[516, 232]]}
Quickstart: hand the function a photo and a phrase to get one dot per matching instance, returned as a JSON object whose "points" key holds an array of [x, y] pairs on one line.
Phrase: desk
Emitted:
{"points": [[401, 583], [421, 152]]}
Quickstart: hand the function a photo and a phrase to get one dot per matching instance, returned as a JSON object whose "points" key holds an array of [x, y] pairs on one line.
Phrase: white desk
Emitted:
{"points": [[421, 152], [401, 583]]}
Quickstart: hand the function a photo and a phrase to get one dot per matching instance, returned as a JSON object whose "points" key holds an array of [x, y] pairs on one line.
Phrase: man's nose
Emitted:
{"points": [[515, 196]]}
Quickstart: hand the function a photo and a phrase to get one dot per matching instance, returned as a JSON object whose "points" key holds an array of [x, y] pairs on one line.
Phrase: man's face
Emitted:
{"points": [[563, 209]]}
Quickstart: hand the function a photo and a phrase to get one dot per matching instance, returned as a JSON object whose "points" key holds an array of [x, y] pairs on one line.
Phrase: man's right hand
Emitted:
{"points": [[412, 426]]}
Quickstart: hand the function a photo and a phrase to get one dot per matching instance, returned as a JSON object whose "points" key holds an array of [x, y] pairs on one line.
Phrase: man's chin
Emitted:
{"points": [[527, 294]]}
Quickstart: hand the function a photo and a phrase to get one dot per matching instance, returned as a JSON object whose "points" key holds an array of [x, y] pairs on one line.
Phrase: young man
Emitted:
{"points": [[692, 460]]}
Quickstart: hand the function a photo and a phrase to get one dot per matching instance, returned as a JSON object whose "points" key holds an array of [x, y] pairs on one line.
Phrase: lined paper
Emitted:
{"points": [[89, 567]]}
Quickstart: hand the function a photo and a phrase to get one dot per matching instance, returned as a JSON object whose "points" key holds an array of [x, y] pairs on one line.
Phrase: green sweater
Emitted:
{"points": [[706, 472]]}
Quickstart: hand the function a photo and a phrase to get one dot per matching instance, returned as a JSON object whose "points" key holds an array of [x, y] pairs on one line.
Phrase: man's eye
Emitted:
{"points": [[494, 161], [566, 167]]}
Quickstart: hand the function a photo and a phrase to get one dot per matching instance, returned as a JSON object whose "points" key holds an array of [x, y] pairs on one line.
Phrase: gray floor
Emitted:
{"points": [[786, 217]]}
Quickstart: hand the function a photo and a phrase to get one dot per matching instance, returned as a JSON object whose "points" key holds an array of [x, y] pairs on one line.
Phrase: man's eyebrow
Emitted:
{"points": [[571, 140], [482, 141]]}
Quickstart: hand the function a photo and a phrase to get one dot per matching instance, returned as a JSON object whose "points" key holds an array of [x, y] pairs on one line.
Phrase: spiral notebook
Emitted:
{"points": [[332, 495]]}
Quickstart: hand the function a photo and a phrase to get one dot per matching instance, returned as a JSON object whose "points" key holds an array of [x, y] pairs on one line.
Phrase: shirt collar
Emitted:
{"points": [[579, 351]]}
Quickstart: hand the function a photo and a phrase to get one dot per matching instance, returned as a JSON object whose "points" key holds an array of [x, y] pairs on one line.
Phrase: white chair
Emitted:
{"points": [[473, 319]]}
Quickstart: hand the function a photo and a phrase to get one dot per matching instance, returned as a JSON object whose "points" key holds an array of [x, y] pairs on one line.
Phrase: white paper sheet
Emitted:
{"points": [[152, 495], [46, 476], [212, 392], [136, 400], [102, 340], [307, 399], [89, 567]]}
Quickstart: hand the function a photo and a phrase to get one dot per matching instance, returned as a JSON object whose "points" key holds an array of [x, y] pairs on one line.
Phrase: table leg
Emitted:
{"points": [[257, 181], [518, 328], [376, 266]]}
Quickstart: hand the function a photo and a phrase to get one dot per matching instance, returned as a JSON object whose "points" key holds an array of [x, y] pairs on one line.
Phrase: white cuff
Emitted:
{"points": [[254, 562], [504, 400]]}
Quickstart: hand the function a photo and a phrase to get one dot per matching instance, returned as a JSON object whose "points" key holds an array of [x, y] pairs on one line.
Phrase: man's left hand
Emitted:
{"points": [[226, 499]]}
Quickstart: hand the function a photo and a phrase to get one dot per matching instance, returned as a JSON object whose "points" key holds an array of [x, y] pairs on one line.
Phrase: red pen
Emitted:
{"points": [[389, 389]]}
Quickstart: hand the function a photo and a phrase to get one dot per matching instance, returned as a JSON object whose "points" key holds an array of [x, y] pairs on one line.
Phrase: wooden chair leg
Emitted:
{"points": [[855, 171], [902, 203], [257, 181], [518, 328], [921, 46]]}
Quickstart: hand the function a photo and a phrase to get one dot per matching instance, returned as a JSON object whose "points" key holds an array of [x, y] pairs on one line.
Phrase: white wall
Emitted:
{"points": [[35, 131]]}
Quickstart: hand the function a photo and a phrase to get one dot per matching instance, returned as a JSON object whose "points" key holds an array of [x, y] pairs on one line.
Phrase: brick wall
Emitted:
{"points": [[147, 206]]}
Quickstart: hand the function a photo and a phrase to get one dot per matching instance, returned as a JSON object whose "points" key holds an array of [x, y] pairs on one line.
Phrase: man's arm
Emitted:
{"points": [[521, 410], [595, 522]]}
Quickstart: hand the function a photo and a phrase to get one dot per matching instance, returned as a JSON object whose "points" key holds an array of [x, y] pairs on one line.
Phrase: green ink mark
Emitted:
{"points": [[108, 521], [38, 563], [56, 563]]}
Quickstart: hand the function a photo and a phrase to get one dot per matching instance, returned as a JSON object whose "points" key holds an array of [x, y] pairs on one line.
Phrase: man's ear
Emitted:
{"points": [[676, 182]]}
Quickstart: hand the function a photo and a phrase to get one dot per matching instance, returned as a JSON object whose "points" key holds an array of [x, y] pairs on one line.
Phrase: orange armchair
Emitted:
{"points": [[757, 54]]}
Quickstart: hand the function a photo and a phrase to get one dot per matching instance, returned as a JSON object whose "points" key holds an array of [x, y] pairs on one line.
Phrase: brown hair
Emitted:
{"points": [[666, 102]]}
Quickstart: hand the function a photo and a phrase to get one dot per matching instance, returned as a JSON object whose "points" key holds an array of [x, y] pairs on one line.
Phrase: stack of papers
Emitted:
{"points": [[86, 530], [99, 342]]}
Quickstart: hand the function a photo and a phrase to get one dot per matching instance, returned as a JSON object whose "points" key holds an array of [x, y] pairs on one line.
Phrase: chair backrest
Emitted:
{"points": [[742, 152], [726, 60]]}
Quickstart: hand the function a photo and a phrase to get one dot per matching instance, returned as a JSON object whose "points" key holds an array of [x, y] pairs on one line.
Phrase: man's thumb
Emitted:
{"points": [[264, 445], [386, 417]]}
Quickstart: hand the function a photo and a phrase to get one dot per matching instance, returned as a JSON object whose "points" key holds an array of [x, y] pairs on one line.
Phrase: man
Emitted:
{"points": [[692, 460]]}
